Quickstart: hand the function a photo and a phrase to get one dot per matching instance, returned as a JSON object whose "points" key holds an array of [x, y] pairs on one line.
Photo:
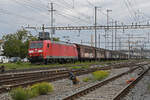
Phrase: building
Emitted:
{"points": [[1, 47]]}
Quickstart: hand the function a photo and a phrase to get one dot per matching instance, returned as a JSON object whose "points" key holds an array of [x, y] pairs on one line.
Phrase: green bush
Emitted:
{"points": [[19, 94], [19, 62], [85, 66], [32, 91], [86, 79], [41, 89], [44, 88], [99, 75]]}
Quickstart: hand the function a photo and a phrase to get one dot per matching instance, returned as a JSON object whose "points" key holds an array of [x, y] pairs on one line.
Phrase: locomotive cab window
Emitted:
{"points": [[36, 45]]}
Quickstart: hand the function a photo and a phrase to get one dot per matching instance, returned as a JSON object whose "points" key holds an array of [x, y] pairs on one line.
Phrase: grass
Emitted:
{"points": [[41, 88], [99, 75], [32, 91], [29, 65], [19, 94], [86, 79], [79, 67], [76, 67], [22, 66]]}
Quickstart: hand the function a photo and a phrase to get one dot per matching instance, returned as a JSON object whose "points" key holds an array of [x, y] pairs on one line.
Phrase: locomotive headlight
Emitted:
{"points": [[40, 51], [30, 51]]}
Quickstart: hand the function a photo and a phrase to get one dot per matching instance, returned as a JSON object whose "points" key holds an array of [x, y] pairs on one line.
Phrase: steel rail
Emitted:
{"points": [[94, 87], [48, 78], [33, 76], [45, 68], [42, 68], [126, 90], [16, 75]]}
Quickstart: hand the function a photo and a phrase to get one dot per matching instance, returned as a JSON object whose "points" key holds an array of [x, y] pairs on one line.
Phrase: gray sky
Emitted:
{"points": [[17, 13]]}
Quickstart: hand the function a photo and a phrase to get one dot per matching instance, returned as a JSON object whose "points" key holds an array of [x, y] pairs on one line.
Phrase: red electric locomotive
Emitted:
{"points": [[46, 50], [51, 51]]}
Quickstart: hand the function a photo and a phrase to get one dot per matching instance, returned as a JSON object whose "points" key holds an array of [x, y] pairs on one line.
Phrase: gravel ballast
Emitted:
{"points": [[141, 91], [64, 87]]}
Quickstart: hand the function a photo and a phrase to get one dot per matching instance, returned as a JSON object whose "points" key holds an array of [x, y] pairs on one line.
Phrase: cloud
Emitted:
{"points": [[16, 13]]}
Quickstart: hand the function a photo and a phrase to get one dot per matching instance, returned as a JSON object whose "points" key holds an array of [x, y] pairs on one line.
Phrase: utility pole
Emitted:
{"points": [[112, 34], [51, 10], [95, 31], [108, 17], [81, 42], [129, 46], [105, 39], [99, 40], [95, 27], [43, 28], [141, 51], [92, 44], [115, 35], [107, 31], [148, 37], [43, 31], [119, 43]]}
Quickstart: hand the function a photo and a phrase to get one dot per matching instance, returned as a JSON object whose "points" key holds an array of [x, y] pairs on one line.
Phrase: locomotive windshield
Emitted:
{"points": [[36, 45]]}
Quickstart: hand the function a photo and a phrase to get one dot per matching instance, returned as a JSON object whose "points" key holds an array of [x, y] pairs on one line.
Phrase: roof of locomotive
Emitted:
{"points": [[59, 42]]}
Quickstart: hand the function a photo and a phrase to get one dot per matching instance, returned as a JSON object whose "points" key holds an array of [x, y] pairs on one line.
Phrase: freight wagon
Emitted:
{"points": [[85, 53], [100, 54]]}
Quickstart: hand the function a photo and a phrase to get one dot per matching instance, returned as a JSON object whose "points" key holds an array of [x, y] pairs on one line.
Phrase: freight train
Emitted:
{"points": [[48, 51]]}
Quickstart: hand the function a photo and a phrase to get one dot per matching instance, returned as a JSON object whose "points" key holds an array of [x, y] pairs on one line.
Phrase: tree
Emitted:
{"points": [[56, 39], [16, 45]]}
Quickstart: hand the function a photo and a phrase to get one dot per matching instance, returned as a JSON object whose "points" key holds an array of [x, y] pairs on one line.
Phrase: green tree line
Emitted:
{"points": [[16, 44]]}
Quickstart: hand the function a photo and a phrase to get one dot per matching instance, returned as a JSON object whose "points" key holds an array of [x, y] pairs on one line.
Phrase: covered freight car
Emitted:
{"points": [[85, 52], [108, 55], [100, 54]]}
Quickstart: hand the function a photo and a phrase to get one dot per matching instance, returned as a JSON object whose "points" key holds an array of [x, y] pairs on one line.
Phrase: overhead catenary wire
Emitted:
{"points": [[29, 6], [130, 9], [68, 17], [66, 3], [62, 12], [33, 5], [100, 10], [131, 15], [78, 18], [82, 15]]}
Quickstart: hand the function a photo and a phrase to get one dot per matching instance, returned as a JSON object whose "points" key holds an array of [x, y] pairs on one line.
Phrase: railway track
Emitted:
{"points": [[22, 77], [44, 68], [29, 78], [127, 89], [47, 68], [43, 72], [88, 89], [41, 68]]}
